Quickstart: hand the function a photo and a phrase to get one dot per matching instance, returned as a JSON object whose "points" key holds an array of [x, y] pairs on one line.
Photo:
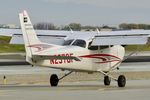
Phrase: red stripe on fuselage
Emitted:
{"points": [[98, 55], [102, 57], [108, 61]]}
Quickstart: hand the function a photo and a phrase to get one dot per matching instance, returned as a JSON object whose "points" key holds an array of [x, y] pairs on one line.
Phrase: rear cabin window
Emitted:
{"points": [[68, 42]]}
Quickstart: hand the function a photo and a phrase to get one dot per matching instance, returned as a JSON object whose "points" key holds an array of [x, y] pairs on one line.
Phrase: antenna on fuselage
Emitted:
{"points": [[97, 30], [71, 30]]}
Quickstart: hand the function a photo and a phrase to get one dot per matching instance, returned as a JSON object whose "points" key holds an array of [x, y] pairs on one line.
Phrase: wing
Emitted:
{"points": [[122, 38], [48, 36]]}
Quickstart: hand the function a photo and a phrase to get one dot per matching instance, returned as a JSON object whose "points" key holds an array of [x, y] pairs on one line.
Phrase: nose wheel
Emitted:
{"points": [[107, 80], [121, 81]]}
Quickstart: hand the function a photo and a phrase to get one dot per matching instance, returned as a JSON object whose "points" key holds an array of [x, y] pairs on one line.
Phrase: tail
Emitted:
{"points": [[32, 44]]}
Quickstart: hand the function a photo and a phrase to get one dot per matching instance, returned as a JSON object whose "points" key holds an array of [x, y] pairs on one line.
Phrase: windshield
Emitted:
{"points": [[80, 43], [68, 42]]}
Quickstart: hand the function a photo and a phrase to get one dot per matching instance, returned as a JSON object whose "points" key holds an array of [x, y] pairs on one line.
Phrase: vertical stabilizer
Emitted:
{"points": [[29, 35]]}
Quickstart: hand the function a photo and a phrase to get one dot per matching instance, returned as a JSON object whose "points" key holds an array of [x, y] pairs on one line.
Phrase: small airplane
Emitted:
{"points": [[95, 52]]}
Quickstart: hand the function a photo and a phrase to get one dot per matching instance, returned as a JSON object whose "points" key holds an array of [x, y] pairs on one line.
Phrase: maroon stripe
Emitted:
{"points": [[104, 59], [94, 55], [108, 61]]}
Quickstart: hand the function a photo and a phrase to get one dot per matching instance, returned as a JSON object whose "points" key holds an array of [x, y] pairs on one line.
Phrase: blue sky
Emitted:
{"points": [[86, 12]]}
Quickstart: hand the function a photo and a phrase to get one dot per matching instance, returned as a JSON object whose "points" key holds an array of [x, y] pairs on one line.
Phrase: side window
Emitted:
{"points": [[92, 47], [103, 47]]}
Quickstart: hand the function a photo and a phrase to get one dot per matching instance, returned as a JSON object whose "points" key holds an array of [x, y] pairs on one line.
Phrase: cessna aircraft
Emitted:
{"points": [[80, 51]]}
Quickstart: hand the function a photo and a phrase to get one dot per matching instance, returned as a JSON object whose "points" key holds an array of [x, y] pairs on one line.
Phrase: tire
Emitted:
{"points": [[121, 81], [107, 80], [54, 80]]}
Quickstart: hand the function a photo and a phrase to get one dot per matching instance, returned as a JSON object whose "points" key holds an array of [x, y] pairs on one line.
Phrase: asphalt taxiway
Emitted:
{"points": [[85, 90], [76, 90]]}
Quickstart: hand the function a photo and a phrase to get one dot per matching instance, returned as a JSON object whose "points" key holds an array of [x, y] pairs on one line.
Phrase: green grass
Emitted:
{"points": [[6, 47], [4, 39], [11, 48]]}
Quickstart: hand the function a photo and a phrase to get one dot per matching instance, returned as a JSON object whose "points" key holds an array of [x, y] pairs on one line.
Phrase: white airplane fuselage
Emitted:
{"points": [[91, 60]]}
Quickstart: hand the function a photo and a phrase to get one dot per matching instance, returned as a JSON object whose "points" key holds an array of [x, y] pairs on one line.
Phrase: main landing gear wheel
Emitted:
{"points": [[121, 81], [54, 80], [107, 80]]}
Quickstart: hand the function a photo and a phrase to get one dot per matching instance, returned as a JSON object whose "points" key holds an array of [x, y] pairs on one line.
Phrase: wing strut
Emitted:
{"points": [[65, 75]]}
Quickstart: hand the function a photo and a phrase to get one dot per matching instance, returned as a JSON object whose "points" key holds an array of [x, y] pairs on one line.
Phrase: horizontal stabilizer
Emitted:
{"points": [[51, 39]]}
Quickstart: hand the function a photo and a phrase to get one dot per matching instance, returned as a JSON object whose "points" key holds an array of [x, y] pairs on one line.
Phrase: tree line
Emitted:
{"points": [[51, 26], [126, 26], [78, 26]]}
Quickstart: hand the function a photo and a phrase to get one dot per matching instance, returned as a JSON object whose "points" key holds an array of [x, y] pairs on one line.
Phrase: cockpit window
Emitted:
{"points": [[68, 42], [80, 43]]}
